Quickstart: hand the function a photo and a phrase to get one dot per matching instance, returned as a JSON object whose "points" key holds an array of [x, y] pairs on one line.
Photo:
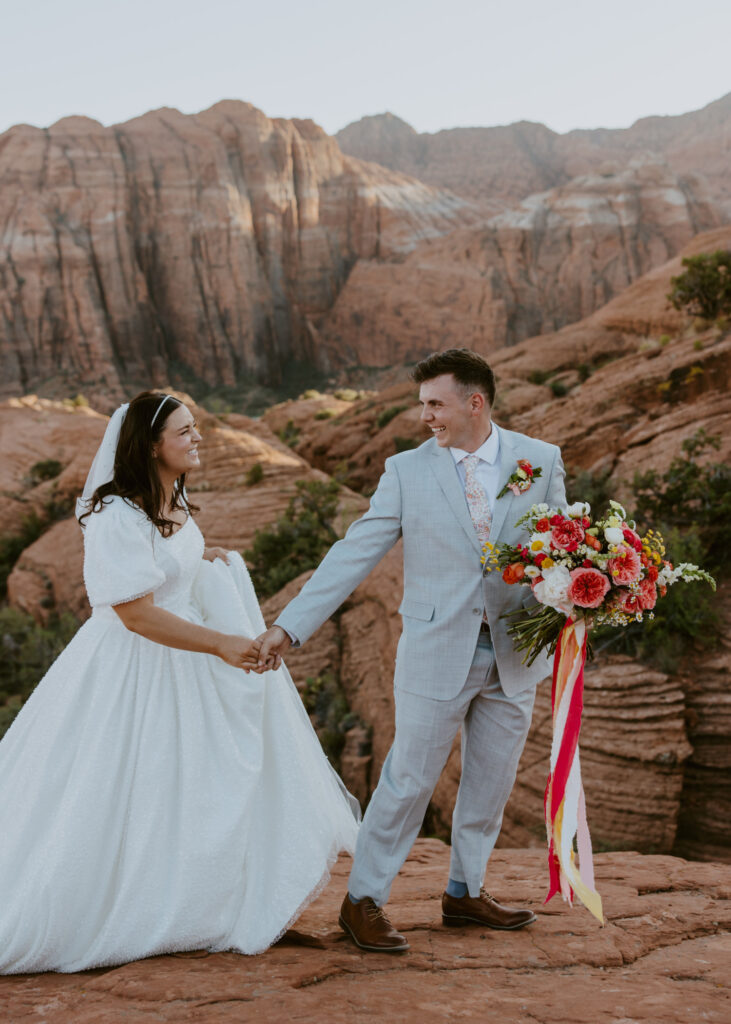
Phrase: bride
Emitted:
{"points": [[156, 795]]}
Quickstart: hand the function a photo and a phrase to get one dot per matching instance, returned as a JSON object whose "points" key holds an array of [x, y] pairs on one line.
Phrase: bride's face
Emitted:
{"points": [[177, 450]]}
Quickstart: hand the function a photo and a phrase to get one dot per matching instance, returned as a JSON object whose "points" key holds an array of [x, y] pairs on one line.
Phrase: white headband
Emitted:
{"points": [[158, 410]]}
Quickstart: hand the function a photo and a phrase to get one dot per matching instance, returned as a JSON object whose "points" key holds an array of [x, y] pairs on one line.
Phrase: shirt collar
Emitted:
{"points": [[488, 451]]}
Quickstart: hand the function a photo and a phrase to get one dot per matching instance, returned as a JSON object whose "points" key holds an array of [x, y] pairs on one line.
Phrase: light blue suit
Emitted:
{"points": [[444, 678]]}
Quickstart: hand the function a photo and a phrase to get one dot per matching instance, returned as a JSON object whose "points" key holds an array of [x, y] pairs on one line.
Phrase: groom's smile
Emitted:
{"points": [[456, 417]]}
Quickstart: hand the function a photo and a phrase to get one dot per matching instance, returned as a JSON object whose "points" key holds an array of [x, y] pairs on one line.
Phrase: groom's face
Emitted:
{"points": [[455, 419]]}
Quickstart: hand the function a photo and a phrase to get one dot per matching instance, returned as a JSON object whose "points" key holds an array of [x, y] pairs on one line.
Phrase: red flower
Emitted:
{"points": [[586, 522], [652, 573], [644, 559], [567, 535], [514, 572], [628, 602], [586, 564], [632, 538], [556, 520], [540, 558], [525, 466], [543, 525], [587, 587]]}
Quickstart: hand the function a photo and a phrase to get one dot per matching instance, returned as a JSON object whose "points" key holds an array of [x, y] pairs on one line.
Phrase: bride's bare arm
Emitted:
{"points": [[145, 618]]}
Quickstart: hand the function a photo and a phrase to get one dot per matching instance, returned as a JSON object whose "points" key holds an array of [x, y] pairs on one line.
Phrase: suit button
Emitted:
{"points": [[477, 611]]}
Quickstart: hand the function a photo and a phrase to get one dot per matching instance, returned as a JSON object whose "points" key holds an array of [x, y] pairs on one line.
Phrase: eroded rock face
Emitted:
{"points": [[510, 162], [194, 248], [551, 261], [661, 958]]}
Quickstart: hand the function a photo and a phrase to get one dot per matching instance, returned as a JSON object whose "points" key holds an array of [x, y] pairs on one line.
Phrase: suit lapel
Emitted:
{"points": [[508, 465], [444, 469]]}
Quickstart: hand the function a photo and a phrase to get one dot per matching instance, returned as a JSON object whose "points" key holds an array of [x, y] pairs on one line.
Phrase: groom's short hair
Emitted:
{"points": [[469, 370]]}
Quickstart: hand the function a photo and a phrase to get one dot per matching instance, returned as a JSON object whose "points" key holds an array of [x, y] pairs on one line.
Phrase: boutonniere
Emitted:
{"points": [[522, 479]]}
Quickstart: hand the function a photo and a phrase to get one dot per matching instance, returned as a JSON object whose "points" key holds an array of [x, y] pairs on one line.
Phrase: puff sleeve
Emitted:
{"points": [[119, 560]]}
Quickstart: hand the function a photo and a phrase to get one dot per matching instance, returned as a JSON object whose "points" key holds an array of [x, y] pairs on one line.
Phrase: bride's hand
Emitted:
{"points": [[239, 651], [211, 554]]}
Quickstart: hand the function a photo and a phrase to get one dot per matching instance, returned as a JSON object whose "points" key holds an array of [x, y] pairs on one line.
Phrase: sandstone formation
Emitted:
{"points": [[195, 248], [554, 259], [662, 958], [508, 163]]}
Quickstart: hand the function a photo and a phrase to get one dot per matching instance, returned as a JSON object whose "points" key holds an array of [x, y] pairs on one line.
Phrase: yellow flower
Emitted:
{"points": [[547, 563]]}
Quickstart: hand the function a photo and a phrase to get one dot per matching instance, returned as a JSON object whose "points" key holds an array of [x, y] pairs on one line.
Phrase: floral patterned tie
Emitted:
{"points": [[477, 501]]}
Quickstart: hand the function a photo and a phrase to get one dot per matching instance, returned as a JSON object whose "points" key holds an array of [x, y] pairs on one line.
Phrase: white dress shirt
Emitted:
{"points": [[488, 468]]}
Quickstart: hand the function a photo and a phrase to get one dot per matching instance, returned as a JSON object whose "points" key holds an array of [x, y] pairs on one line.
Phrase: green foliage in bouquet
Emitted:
{"points": [[26, 653], [299, 539]]}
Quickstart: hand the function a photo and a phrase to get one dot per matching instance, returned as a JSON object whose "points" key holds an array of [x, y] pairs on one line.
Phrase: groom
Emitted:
{"points": [[455, 664]]}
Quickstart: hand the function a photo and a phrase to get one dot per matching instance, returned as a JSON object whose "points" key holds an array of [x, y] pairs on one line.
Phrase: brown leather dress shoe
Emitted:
{"points": [[369, 928], [485, 910]]}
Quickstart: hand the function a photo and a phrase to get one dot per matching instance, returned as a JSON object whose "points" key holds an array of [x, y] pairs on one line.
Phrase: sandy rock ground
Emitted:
{"points": [[662, 958]]}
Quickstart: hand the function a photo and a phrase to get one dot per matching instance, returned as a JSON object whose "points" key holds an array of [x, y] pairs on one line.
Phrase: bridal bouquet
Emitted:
{"points": [[583, 572]]}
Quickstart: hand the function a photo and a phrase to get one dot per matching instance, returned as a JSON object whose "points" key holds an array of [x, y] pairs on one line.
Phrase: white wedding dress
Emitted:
{"points": [[155, 800]]}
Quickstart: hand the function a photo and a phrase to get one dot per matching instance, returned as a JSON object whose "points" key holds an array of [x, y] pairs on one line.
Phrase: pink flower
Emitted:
{"points": [[514, 488], [647, 596], [588, 587], [626, 566], [567, 534]]}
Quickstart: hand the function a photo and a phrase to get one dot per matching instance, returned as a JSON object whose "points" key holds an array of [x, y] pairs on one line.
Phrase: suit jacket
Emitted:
{"points": [[420, 498]]}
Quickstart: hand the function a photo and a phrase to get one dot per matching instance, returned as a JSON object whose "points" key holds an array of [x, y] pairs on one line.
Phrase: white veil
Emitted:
{"points": [[102, 468]]}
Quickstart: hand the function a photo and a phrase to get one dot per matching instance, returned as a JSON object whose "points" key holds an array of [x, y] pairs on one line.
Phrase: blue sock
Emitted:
{"points": [[456, 889], [353, 899]]}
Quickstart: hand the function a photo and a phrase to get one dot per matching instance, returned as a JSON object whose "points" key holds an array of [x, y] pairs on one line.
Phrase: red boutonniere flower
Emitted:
{"points": [[522, 479]]}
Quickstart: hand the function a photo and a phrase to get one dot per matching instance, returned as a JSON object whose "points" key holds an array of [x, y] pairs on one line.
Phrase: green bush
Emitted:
{"points": [[590, 485], [385, 417], [309, 394], [255, 475], [326, 702], [539, 376], [289, 433], [346, 395], [12, 546], [299, 539], [704, 288], [46, 469], [325, 414], [26, 652], [558, 388], [405, 444]]}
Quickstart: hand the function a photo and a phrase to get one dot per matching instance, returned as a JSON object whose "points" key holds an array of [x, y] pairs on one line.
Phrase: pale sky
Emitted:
{"points": [[566, 63]]}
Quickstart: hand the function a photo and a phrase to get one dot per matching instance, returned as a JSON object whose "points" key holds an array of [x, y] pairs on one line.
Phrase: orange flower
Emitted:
{"points": [[514, 572]]}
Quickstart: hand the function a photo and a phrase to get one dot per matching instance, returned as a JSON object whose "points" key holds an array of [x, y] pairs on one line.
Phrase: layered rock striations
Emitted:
{"points": [[508, 163], [195, 248], [551, 260]]}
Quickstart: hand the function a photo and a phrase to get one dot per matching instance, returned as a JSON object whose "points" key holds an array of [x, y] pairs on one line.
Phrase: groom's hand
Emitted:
{"points": [[274, 643]]}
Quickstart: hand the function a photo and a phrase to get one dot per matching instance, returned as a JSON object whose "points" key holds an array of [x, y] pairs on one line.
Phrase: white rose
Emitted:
{"points": [[613, 535], [553, 589], [579, 509]]}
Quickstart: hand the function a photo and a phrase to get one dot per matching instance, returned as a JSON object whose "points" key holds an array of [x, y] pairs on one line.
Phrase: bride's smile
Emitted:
{"points": [[177, 450]]}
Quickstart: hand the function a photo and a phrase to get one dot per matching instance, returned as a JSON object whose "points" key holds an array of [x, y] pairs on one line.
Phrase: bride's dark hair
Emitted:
{"points": [[135, 470]]}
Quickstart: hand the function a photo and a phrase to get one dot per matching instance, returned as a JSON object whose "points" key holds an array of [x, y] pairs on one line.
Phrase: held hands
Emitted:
{"points": [[241, 652], [273, 645]]}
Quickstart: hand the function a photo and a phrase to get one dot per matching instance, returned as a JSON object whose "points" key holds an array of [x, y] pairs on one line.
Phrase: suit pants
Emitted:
{"points": [[494, 730]]}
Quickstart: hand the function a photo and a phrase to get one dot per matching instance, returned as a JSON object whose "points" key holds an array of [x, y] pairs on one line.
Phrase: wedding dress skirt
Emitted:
{"points": [[155, 800]]}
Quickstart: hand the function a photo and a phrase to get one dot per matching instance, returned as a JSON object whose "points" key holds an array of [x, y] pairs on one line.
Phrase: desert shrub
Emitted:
{"points": [[385, 417], [539, 376], [255, 475], [12, 546], [704, 287], [310, 393], [558, 388], [689, 504], [325, 414], [298, 540], [46, 469], [289, 433], [346, 394], [326, 702], [590, 485], [26, 652], [405, 444]]}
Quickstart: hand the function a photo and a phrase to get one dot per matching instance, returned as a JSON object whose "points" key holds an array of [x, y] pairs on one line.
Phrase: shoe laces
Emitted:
{"points": [[485, 895], [375, 912]]}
